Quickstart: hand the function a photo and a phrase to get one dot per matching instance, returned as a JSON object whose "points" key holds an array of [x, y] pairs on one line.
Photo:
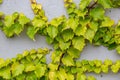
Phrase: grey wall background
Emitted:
{"points": [[53, 8]]}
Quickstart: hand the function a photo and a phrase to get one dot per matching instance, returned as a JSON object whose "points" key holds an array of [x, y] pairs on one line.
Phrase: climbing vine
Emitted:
{"points": [[86, 23]]}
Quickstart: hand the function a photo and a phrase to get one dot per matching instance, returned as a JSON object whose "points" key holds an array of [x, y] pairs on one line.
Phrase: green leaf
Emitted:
{"points": [[97, 13], [52, 31], [81, 13], [61, 74], [74, 53], [53, 67], [40, 70], [68, 60], [31, 76], [5, 73], [118, 49], [31, 31], [70, 1], [70, 76], [89, 35], [56, 55], [117, 28], [104, 68], [98, 63], [21, 77], [9, 20], [67, 35], [115, 68], [38, 23], [1, 1], [9, 31], [52, 75], [107, 36], [15, 15], [97, 70], [72, 23], [29, 67], [105, 3], [49, 40], [94, 25], [18, 28], [107, 22], [81, 76], [84, 4], [80, 30], [23, 19], [78, 43], [64, 45], [17, 69], [57, 21], [91, 78], [108, 62]]}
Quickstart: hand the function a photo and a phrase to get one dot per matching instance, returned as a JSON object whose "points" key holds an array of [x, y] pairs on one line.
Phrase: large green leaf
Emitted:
{"points": [[61, 74], [107, 22], [31, 76], [52, 75], [9, 31], [91, 78], [64, 45], [97, 13], [105, 3], [9, 20], [74, 53], [52, 31], [80, 30], [89, 35], [5, 73], [72, 23], [40, 70], [31, 31], [94, 25], [53, 66], [23, 19], [78, 43], [70, 76], [67, 34], [68, 60], [18, 28], [17, 69], [81, 76], [38, 23], [84, 4], [29, 67], [56, 55], [118, 49]]}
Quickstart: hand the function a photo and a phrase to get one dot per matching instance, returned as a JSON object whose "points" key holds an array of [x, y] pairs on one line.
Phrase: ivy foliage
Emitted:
{"points": [[30, 65], [86, 22]]}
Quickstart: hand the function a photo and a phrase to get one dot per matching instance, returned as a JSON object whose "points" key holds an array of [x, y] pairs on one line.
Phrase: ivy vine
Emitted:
{"points": [[86, 23]]}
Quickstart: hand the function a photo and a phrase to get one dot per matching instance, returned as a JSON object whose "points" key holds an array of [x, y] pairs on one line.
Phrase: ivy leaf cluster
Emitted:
{"points": [[87, 22], [30, 65]]}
